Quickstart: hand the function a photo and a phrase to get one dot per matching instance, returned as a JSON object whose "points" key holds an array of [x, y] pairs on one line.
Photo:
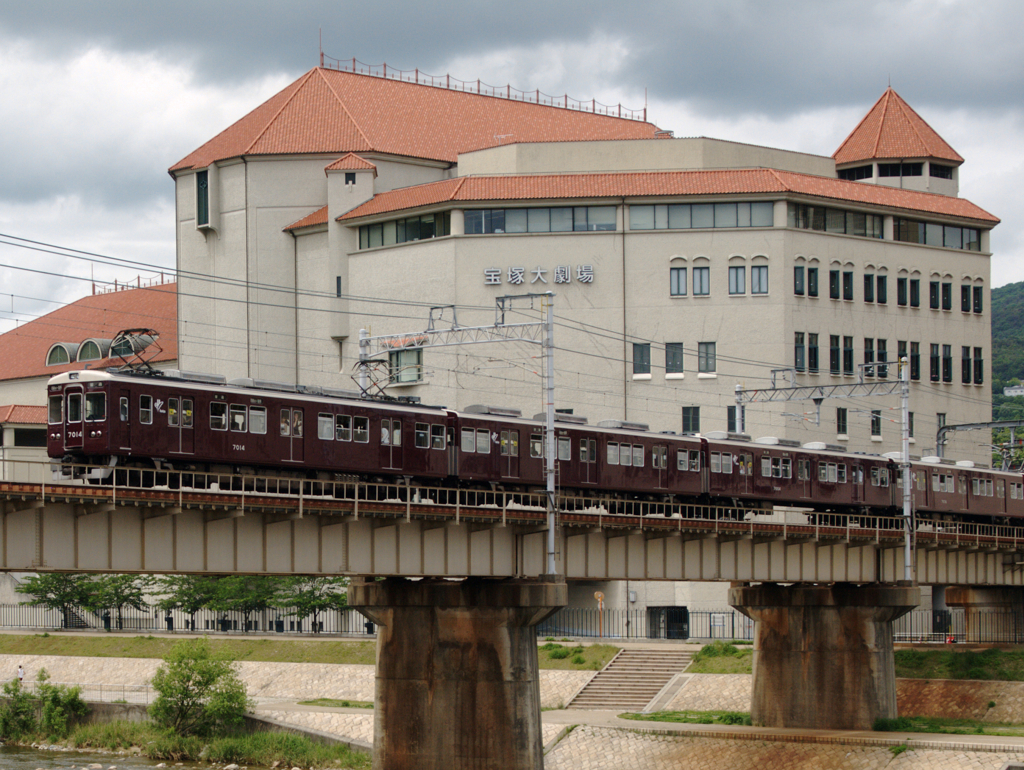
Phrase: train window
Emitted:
{"points": [[325, 427], [564, 448], [186, 413], [681, 463], [396, 433], [468, 440], [145, 409], [237, 416], [785, 468], [124, 408], [727, 462], [421, 436], [803, 470], [297, 423], [218, 416], [638, 456], [694, 460], [879, 477], [1000, 488], [625, 454], [391, 433], [716, 462], [935, 483], [286, 423], [975, 484], [172, 412], [922, 480], [659, 457], [483, 441], [513, 443], [746, 465], [588, 450], [613, 453], [361, 429], [822, 471], [990, 488], [841, 474], [437, 439], [55, 415], [584, 457], [257, 417], [766, 466], [536, 446], [343, 427], [95, 407]]}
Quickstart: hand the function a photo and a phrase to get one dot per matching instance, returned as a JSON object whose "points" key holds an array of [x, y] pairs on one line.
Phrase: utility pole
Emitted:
{"points": [[908, 500]]}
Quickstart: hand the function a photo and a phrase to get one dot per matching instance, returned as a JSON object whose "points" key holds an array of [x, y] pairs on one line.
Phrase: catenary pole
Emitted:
{"points": [[549, 426], [908, 523]]}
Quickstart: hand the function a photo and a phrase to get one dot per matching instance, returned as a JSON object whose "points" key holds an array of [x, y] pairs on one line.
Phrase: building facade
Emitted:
{"points": [[682, 268]]}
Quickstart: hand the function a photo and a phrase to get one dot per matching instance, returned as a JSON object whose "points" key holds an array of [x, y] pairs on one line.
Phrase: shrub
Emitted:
{"points": [[61, 706], [716, 650], [198, 692], [579, 660], [559, 654], [899, 724], [17, 712]]}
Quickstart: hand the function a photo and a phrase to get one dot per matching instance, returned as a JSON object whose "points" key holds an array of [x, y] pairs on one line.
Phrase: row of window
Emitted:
{"points": [[706, 357], [876, 289], [563, 219], [890, 170], [404, 230], [702, 280], [935, 234], [688, 216], [90, 350], [838, 221], [876, 351]]}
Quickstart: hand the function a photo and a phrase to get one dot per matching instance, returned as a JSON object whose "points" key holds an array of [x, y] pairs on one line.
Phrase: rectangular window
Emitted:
{"points": [[361, 430], [236, 417], [691, 419], [641, 358], [812, 282], [979, 367], [869, 287], [901, 292], [677, 281], [915, 360], [759, 279], [536, 446], [218, 416], [55, 414], [965, 299], [876, 423], [673, 357], [799, 352], [701, 281], [406, 365], [612, 451], [737, 280], [202, 198], [910, 424], [965, 365], [847, 355], [483, 441], [940, 172], [833, 354], [833, 284], [882, 356], [343, 427], [812, 352], [468, 440], [730, 419], [947, 296], [798, 280], [848, 285], [625, 454], [935, 372], [421, 435], [869, 356], [172, 411], [915, 292], [977, 299], [947, 363], [882, 289], [437, 437], [257, 418], [706, 355], [841, 424], [933, 295], [638, 456], [325, 427]]}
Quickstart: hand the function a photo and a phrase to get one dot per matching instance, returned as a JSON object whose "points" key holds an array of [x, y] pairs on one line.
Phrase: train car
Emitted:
{"points": [[944, 489]]}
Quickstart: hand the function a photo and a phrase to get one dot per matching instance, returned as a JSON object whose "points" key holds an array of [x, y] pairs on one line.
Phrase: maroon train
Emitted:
{"points": [[128, 420]]}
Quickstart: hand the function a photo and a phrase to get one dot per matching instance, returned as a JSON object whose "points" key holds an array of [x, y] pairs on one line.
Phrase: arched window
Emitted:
{"points": [[89, 351], [58, 354]]}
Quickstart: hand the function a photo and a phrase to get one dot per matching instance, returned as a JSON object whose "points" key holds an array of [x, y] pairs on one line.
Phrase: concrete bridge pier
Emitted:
{"points": [[457, 680], [982, 625], [823, 654]]}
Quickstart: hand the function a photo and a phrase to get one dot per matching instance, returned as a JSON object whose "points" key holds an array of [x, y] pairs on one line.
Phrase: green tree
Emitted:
{"points": [[188, 593], [247, 595], [17, 712], [60, 706], [198, 692], [115, 592], [59, 591], [309, 597]]}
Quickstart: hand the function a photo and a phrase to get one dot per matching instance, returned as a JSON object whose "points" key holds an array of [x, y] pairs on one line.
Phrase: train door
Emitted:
{"points": [[391, 443], [659, 460], [589, 461], [74, 434], [124, 424], [179, 421], [857, 480], [292, 430], [510, 454]]}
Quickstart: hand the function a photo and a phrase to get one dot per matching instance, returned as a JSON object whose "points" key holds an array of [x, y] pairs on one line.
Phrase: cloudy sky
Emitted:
{"points": [[98, 99]]}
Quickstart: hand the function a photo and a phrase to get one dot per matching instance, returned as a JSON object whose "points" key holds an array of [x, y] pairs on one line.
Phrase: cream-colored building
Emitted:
{"points": [[682, 268]]}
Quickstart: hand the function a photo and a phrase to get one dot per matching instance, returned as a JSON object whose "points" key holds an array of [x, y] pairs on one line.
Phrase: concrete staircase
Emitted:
{"points": [[631, 680]]}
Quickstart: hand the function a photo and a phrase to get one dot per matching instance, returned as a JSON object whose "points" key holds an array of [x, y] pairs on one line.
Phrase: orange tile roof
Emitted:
{"points": [[100, 316], [329, 111], [351, 162], [662, 183], [26, 415], [892, 130], [318, 217]]}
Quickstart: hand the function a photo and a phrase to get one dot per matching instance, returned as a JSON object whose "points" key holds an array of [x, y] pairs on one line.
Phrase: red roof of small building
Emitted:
{"points": [[329, 111], [100, 316], [318, 217], [25, 415], [662, 183], [892, 130], [351, 162]]}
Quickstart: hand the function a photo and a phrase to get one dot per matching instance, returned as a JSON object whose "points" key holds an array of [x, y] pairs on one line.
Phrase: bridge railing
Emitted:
{"points": [[400, 497]]}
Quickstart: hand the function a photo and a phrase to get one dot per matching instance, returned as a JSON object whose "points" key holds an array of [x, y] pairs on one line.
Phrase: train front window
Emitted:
{"points": [[218, 416], [74, 407], [55, 414], [95, 407]]}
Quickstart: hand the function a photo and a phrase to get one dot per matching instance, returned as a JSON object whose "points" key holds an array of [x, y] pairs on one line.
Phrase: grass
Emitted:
{"points": [[722, 658], [594, 657], [991, 664], [947, 726], [575, 658], [256, 749], [337, 704], [693, 717]]}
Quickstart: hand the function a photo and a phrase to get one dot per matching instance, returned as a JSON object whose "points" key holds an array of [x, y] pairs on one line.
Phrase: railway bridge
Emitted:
{"points": [[464, 583]]}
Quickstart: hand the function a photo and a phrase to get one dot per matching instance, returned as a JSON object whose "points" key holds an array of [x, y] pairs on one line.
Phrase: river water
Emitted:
{"points": [[17, 758]]}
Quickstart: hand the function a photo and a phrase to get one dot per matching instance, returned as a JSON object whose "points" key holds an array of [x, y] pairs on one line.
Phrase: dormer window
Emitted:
{"points": [[89, 351], [61, 353], [350, 177]]}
